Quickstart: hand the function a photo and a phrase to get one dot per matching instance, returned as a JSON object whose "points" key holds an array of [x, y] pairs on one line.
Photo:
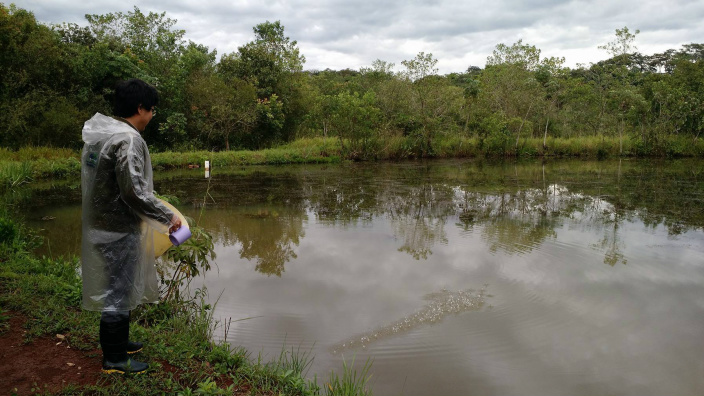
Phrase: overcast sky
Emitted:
{"points": [[340, 34]]}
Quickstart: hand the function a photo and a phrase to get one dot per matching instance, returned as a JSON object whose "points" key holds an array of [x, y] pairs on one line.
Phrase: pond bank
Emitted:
{"points": [[17, 167]]}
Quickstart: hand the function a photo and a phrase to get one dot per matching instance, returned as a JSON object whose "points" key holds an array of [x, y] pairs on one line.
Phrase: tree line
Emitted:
{"points": [[57, 76]]}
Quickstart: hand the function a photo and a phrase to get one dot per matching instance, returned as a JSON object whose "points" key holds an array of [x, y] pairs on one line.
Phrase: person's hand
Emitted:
{"points": [[176, 224]]}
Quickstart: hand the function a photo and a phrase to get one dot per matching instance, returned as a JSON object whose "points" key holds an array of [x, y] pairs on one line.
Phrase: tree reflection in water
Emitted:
{"points": [[418, 218], [267, 237], [515, 207]]}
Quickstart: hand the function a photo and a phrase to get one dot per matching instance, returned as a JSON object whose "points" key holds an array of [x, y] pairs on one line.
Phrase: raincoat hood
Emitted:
{"points": [[101, 127]]}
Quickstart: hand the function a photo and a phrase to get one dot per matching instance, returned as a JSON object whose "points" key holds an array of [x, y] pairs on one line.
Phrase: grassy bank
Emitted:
{"points": [[17, 167], [177, 334]]}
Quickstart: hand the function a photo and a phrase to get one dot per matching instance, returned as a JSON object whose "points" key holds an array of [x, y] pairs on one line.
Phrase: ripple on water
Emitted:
{"points": [[554, 264], [441, 304], [267, 331]]}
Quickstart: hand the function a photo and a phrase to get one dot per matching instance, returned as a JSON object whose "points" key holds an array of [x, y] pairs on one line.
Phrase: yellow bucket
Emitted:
{"points": [[161, 242]]}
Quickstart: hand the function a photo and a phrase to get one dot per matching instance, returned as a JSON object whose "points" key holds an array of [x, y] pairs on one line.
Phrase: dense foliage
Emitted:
{"points": [[56, 77]]}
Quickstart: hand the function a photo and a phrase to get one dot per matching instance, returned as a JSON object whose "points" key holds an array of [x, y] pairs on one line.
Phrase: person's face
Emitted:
{"points": [[144, 116]]}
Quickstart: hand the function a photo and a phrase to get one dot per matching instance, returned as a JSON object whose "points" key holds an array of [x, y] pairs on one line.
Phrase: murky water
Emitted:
{"points": [[456, 277]]}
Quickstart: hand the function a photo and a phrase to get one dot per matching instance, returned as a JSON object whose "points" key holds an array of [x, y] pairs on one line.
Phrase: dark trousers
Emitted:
{"points": [[121, 258], [114, 335]]}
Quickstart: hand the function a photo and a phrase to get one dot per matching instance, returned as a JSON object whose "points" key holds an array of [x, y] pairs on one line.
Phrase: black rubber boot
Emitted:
{"points": [[134, 347], [114, 339], [128, 366]]}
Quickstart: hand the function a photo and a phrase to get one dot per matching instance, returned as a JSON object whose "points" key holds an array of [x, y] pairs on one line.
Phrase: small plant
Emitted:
{"points": [[14, 174], [208, 387], [296, 361], [225, 360], [351, 383], [14, 237], [285, 375], [172, 199], [8, 230], [189, 259]]}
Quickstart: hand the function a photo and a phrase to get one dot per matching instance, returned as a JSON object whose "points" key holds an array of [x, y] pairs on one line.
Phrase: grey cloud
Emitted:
{"points": [[358, 32]]}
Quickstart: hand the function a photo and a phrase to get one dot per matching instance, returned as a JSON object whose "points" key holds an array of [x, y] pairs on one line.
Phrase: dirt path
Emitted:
{"points": [[43, 364]]}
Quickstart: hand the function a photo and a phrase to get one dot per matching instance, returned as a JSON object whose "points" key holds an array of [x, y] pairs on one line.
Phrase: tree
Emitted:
{"points": [[694, 52], [524, 55], [379, 68], [625, 100], [471, 87], [423, 65], [153, 46], [266, 59], [584, 106], [37, 89], [513, 91], [518, 82], [178, 119], [222, 110], [622, 44], [551, 77], [273, 64], [432, 101], [150, 37], [322, 112], [72, 33], [356, 119]]}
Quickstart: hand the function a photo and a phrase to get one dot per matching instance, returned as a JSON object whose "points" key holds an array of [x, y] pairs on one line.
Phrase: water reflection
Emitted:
{"points": [[270, 241], [265, 236], [612, 245], [264, 212], [513, 222]]}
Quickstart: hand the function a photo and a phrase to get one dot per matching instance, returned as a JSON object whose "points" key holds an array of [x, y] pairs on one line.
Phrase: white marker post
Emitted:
{"points": [[207, 169]]}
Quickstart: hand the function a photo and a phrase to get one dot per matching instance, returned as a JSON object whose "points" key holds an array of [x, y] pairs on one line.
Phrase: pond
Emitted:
{"points": [[454, 277]]}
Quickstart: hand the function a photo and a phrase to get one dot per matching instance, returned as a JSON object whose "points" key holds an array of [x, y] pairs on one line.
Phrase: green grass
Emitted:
{"points": [[35, 163], [351, 382], [14, 174], [34, 153], [299, 152]]}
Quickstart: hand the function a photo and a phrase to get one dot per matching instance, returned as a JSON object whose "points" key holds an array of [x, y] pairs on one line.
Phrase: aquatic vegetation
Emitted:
{"points": [[14, 174]]}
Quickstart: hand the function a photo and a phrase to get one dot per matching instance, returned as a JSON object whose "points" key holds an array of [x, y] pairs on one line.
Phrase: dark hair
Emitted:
{"points": [[131, 94]]}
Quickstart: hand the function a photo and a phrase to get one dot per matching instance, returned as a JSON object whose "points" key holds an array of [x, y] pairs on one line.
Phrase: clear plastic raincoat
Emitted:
{"points": [[120, 217]]}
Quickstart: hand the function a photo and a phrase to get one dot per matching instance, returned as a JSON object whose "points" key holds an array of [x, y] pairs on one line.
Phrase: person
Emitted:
{"points": [[120, 216]]}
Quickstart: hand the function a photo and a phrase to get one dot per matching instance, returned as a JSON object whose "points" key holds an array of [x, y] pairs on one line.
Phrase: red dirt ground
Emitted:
{"points": [[44, 364], [49, 364]]}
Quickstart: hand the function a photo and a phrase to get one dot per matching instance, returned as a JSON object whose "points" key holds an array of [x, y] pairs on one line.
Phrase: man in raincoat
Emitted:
{"points": [[120, 216]]}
